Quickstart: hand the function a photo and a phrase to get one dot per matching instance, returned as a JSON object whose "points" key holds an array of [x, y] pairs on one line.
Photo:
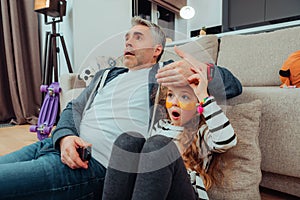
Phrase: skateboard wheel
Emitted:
{"points": [[47, 130], [44, 88], [56, 90], [33, 128]]}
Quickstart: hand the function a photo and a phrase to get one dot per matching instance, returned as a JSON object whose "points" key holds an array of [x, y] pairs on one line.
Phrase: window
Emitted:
{"points": [[155, 13]]}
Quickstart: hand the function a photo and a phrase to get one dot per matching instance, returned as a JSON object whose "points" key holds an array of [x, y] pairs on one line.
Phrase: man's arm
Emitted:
{"points": [[66, 135], [231, 84], [66, 125], [224, 85], [71, 116]]}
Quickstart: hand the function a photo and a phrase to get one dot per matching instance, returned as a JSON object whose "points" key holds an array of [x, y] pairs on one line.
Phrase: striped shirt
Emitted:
{"points": [[217, 135]]}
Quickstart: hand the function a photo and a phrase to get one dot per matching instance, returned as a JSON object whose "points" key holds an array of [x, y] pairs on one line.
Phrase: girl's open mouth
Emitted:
{"points": [[175, 115]]}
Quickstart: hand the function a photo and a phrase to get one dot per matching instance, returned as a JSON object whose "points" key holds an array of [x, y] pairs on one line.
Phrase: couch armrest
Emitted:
{"points": [[71, 87], [70, 81]]}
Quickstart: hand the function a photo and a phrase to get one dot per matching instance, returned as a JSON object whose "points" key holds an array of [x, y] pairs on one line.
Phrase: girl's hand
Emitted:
{"points": [[198, 81]]}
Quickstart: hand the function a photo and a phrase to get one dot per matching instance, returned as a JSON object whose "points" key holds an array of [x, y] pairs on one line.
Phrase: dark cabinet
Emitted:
{"points": [[243, 13], [278, 9]]}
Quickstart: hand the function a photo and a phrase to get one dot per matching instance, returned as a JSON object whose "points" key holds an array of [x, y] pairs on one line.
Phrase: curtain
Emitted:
{"points": [[20, 75]]}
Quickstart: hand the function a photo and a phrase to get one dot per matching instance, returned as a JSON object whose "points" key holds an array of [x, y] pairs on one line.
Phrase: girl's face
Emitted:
{"points": [[181, 104]]}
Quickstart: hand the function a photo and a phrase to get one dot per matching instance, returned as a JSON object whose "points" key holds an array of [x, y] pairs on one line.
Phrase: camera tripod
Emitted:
{"points": [[51, 51]]}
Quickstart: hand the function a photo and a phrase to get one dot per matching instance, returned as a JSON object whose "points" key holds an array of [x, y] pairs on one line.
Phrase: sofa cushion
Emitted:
{"points": [[275, 181], [93, 64], [242, 174], [205, 49], [69, 95], [280, 130], [257, 58]]}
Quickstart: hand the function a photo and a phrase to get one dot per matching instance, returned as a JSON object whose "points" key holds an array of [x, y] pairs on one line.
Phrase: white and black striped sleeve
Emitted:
{"points": [[220, 135], [198, 185]]}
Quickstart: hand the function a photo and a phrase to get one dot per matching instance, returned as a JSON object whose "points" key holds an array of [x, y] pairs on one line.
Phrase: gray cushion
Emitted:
{"points": [[279, 127], [242, 173]]}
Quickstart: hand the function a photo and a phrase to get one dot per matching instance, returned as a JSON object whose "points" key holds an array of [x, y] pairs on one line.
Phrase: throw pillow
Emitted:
{"points": [[243, 175], [87, 73], [204, 48]]}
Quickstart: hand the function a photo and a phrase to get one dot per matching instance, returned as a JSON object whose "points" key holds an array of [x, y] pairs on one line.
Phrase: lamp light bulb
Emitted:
{"points": [[187, 12]]}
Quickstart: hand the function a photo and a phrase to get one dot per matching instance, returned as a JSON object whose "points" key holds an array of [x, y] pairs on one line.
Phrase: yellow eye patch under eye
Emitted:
{"points": [[168, 104], [183, 106], [187, 106]]}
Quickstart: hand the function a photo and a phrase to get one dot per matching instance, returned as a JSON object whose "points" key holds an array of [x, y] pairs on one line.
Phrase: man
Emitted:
{"points": [[116, 101]]}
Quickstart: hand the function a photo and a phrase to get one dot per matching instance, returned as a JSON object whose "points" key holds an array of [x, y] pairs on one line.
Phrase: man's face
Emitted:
{"points": [[140, 51]]}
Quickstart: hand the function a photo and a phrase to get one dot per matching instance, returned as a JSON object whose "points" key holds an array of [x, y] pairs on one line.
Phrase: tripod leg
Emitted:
{"points": [[66, 53], [54, 54], [44, 68], [48, 61]]}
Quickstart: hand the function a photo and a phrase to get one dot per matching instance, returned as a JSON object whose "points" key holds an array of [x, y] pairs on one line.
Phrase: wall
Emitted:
{"points": [[208, 14], [101, 24], [89, 24], [95, 21]]}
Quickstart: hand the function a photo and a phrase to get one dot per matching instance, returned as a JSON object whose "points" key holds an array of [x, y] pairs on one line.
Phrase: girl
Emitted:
{"points": [[184, 142]]}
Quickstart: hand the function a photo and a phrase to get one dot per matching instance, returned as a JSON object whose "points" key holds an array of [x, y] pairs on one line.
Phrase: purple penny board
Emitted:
{"points": [[48, 113]]}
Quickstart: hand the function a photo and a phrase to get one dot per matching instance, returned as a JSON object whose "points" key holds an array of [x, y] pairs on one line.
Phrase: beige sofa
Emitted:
{"points": [[255, 59]]}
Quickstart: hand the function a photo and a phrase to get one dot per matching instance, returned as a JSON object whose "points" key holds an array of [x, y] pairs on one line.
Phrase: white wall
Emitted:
{"points": [[94, 22], [208, 14], [102, 23], [181, 28]]}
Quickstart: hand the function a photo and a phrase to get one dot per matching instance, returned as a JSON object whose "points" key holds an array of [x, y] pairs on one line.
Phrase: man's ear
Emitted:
{"points": [[158, 50]]}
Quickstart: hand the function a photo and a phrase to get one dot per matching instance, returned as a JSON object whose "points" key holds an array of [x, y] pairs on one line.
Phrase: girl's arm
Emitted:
{"points": [[218, 135]]}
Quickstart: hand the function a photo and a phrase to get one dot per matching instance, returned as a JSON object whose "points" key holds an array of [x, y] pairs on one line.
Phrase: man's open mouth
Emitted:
{"points": [[128, 53]]}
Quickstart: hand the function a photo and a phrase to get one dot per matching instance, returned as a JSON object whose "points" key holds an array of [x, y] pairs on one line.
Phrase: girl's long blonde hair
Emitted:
{"points": [[193, 160], [188, 140]]}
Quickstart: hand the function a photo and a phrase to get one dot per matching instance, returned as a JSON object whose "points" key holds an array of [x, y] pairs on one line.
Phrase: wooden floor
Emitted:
{"points": [[13, 138]]}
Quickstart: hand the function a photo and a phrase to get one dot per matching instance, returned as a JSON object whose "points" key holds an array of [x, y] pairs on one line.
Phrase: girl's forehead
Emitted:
{"points": [[185, 89]]}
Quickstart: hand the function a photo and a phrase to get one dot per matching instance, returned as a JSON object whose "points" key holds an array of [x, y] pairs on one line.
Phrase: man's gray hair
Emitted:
{"points": [[158, 34]]}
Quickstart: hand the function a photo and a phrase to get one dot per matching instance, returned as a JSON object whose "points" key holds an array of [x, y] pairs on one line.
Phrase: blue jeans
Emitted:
{"points": [[36, 172]]}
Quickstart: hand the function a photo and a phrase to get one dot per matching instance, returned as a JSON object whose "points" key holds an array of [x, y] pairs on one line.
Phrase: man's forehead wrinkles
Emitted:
{"points": [[134, 33]]}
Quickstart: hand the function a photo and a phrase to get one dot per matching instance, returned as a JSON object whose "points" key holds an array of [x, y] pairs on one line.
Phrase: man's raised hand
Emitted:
{"points": [[177, 73]]}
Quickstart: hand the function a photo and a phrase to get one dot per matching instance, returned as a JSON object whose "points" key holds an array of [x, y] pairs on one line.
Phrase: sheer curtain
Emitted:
{"points": [[20, 75]]}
